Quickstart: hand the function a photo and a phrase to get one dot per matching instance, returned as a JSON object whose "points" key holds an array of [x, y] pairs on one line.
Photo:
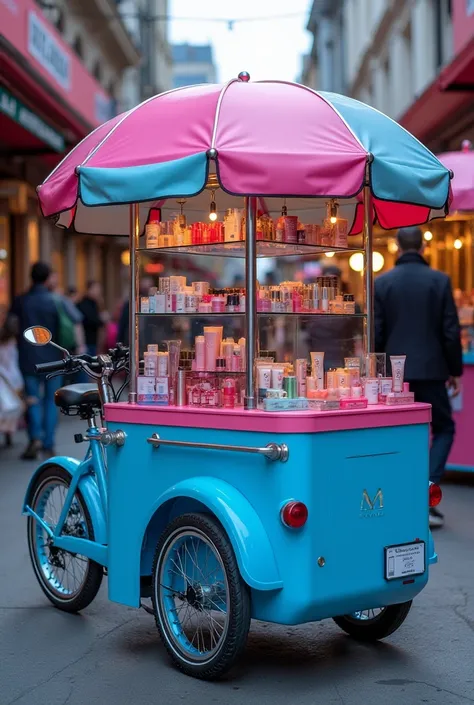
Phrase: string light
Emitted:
{"points": [[329, 254], [333, 208], [212, 208], [428, 235], [457, 244]]}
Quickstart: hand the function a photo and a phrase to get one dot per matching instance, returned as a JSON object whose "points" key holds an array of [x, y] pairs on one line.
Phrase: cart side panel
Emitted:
{"points": [[388, 467], [329, 471]]}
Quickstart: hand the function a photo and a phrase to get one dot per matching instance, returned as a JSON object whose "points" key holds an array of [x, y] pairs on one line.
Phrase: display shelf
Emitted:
{"points": [[259, 313], [237, 249]]}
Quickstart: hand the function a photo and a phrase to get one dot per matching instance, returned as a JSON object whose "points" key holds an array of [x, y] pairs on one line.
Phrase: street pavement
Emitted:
{"points": [[112, 654]]}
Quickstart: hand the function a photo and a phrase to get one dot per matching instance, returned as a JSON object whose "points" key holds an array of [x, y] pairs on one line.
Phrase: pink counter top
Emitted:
{"points": [[376, 416]]}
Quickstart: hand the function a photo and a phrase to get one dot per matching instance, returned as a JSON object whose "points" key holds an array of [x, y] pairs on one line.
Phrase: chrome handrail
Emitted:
{"points": [[272, 451]]}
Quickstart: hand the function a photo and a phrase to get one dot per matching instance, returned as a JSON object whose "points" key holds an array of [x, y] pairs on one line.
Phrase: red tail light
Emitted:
{"points": [[294, 514], [436, 495]]}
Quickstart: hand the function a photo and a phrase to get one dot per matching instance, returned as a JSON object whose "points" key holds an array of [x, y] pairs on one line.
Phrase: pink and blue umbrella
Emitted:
{"points": [[268, 139]]}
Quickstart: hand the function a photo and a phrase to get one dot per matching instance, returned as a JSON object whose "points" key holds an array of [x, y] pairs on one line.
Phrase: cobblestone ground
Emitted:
{"points": [[112, 654]]}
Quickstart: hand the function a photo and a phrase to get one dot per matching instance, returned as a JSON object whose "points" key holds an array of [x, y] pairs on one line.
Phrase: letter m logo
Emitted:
{"points": [[367, 504]]}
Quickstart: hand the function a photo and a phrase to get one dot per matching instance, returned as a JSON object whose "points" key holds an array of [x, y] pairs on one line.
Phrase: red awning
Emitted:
{"points": [[41, 95], [459, 75]]}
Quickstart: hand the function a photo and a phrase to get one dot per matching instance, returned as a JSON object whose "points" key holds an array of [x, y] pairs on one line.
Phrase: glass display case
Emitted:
{"points": [[193, 335]]}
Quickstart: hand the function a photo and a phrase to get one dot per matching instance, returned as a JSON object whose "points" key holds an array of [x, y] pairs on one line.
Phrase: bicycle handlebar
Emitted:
{"points": [[48, 367]]}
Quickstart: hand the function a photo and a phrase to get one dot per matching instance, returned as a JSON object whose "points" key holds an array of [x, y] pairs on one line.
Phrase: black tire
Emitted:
{"points": [[377, 627], [237, 614], [93, 572]]}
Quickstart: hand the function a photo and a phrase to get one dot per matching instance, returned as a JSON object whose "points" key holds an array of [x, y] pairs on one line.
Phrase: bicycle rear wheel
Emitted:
{"points": [[70, 581]]}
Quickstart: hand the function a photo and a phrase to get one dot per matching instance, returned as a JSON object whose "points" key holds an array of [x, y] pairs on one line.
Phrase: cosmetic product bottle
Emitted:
{"points": [[399, 398], [201, 288], [213, 340], [349, 304], [236, 359], [301, 367], [151, 367], [180, 302], [356, 390], [181, 399], [317, 368], [342, 379], [280, 230], [243, 353], [385, 387], [338, 304], [200, 353], [152, 233], [371, 390], [277, 376], [228, 396], [163, 361], [144, 304], [290, 386], [205, 306], [325, 300], [152, 348], [398, 368], [190, 304], [228, 352], [264, 374]]}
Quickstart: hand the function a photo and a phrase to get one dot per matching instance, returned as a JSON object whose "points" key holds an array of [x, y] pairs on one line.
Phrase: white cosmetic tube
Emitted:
{"points": [[278, 372], [398, 369], [317, 368], [213, 341]]}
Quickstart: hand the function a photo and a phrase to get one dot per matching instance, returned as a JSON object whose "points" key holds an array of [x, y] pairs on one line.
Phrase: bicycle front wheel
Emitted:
{"points": [[70, 581]]}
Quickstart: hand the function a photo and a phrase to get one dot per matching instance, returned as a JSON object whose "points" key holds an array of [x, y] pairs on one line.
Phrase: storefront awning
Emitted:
{"points": [[22, 130], [459, 75]]}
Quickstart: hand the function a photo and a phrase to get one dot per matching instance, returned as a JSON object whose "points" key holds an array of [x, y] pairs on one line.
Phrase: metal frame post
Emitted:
{"points": [[251, 323], [368, 268], [134, 238]]}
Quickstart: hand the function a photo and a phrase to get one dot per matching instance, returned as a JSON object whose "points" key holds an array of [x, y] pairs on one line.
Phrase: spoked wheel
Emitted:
{"points": [[70, 581], [201, 603], [374, 624]]}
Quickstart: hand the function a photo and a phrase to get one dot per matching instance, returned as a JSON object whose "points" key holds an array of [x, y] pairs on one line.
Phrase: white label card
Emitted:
{"points": [[404, 560]]}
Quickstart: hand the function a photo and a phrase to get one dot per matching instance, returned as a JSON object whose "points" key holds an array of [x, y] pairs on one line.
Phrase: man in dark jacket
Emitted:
{"points": [[415, 315], [38, 308]]}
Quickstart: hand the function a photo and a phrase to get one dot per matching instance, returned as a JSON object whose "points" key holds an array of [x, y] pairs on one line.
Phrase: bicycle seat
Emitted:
{"points": [[75, 396]]}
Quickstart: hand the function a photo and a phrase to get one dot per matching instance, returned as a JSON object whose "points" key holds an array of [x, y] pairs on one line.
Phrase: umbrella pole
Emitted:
{"points": [[134, 237], [368, 269], [251, 330]]}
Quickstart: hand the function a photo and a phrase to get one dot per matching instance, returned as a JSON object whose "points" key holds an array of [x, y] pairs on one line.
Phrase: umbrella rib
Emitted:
{"points": [[130, 112], [218, 110]]}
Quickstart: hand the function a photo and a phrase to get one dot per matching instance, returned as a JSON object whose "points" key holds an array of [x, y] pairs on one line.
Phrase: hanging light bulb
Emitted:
{"points": [[428, 235], [212, 208], [457, 244], [329, 254], [182, 217], [333, 208]]}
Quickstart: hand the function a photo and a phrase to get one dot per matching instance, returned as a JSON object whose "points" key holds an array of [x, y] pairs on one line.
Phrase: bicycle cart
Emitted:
{"points": [[232, 485]]}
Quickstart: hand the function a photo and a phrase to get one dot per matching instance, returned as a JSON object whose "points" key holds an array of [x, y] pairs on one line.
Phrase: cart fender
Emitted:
{"points": [[89, 491], [252, 547], [432, 555]]}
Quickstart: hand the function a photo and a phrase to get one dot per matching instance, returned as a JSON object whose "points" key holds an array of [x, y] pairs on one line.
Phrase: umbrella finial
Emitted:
{"points": [[244, 76], [466, 146]]}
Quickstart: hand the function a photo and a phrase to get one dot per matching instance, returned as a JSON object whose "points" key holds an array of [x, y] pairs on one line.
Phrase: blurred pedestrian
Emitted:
{"points": [[415, 315], [111, 328], [92, 320], [37, 307], [11, 381]]}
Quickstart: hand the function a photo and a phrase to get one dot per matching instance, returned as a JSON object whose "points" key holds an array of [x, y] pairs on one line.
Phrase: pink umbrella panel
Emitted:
{"points": [[270, 139]]}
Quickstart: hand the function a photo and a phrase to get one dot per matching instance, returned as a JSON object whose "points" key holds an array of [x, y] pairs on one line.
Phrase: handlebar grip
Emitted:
{"points": [[48, 367]]}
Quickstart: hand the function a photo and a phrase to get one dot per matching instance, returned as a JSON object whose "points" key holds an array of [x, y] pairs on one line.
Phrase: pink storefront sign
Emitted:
{"points": [[29, 32]]}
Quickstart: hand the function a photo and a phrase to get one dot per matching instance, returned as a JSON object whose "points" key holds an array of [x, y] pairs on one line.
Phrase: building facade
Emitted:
{"points": [[61, 68], [411, 59], [324, 67], [147, 21], [193, 64]]}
